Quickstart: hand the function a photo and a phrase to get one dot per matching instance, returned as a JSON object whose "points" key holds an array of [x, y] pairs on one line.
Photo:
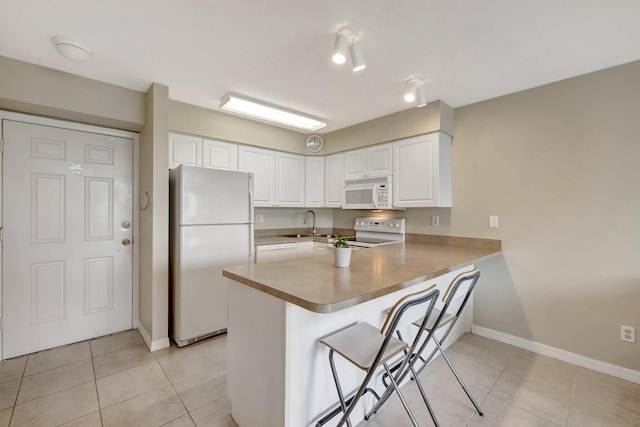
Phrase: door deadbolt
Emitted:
{"points": [[126, 242], [126, 225]]}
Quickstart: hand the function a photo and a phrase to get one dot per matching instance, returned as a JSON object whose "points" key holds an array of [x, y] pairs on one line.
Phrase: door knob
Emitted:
{"points": [[126, 242]]}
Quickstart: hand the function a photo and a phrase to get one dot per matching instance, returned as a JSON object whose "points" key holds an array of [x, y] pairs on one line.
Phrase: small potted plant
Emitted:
{"points": [[342, 251]]}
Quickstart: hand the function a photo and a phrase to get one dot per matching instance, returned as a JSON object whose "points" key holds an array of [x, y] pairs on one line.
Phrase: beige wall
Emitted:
{"points": [[415, 121], [194, 120], [559, 165], [154, 218], [28, 88]]}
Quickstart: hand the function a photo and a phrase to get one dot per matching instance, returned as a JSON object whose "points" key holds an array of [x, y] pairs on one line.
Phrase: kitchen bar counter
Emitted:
{"points": [[315, 284], [278, 373]]}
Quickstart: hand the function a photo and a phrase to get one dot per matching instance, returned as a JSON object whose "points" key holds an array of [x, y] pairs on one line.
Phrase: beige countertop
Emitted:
{"points": [[316, 284]]}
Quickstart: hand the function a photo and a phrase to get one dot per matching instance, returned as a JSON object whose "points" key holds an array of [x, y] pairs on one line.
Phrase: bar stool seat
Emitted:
{"points": [[360, 344], [448, 317]]}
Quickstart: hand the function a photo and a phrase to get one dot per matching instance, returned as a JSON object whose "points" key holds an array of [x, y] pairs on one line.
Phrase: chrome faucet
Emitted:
{"points": [[306, 214]]}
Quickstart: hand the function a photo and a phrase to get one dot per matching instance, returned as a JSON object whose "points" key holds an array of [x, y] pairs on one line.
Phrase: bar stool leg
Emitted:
{"points": [[424, 397], [397, 389], [459, 379], [337, 382]]}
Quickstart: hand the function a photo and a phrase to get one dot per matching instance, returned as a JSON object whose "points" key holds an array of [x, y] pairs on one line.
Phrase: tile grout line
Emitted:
{"points": [[175, 391], [95, 384], [573, 395], [15, 401]]}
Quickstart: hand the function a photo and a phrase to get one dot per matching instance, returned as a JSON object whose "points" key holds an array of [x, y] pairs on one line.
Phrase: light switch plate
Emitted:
{"points": [[435, 220], [493, 221]]}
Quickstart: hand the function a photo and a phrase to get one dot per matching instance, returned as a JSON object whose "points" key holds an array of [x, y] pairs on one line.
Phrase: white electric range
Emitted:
{"points": [[373, 232]]}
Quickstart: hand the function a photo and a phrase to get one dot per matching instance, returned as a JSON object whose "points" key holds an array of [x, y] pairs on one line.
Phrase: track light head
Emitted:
{"points": [[347, 39], [340, 50], [410, 95], [357, 58], [416, 92]]}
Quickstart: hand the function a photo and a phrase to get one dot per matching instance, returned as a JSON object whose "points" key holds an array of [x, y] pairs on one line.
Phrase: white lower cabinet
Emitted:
{"points": [[277, 252], [422, 171], [266, 253]]}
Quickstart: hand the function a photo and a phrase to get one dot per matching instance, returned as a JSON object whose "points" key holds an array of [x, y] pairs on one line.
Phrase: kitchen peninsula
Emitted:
{"points": [[278, 373]]}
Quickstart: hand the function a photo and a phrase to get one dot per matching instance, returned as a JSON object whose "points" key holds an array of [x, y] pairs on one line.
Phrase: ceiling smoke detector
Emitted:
{"points": [[72, 49]]}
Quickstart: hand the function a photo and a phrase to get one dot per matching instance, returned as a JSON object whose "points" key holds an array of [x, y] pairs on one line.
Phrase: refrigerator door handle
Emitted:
{"points": [[251, 214], [252, 246]]}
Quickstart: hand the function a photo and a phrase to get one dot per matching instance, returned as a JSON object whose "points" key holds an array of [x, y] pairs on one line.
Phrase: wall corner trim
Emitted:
{"points": [[153, 345], [556, 353]]}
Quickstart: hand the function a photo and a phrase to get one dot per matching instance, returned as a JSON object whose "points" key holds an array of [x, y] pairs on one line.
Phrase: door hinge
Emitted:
{"points": [[1, 324], [0, 234]]}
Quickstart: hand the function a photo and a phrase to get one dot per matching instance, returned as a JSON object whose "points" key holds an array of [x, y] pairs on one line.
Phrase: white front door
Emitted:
{"points": [[67, 232]]}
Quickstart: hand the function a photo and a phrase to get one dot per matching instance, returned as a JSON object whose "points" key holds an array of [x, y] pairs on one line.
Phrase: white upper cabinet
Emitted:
{"points": [[262, 163], [289, 179], [314, 182], [333, 180], [369, 162], [184, 150], [219, 155], [422, 171], [355, 164]]}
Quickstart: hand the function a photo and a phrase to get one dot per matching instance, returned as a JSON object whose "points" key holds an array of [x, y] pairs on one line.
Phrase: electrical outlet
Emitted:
{"points": [[628, 333], [259, 218], [435, 220]]}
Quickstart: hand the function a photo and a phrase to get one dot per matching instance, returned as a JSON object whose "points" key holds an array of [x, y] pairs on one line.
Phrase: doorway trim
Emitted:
{"points": [[26, 118]]}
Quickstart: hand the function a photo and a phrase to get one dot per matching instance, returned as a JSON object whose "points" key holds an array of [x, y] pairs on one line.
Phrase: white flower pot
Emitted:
{"points": [[342, 256]]}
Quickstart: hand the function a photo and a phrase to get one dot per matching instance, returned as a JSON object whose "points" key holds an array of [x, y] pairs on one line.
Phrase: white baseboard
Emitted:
{"points": [[152, 345], [556, 353]]}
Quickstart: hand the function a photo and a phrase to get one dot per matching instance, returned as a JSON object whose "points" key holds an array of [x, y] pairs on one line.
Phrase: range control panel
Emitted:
{"points": [[382, 225]]}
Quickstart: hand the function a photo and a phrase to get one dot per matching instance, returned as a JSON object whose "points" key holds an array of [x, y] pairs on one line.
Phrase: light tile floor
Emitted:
{"points": [[116, 381]]}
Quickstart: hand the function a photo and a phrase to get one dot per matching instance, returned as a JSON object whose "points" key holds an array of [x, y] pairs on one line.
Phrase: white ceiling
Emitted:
{"points": [[280, 50]]}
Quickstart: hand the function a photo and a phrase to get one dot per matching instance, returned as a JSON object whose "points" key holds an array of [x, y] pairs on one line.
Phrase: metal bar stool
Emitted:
{"points": [[455, 299], [368, 347]]}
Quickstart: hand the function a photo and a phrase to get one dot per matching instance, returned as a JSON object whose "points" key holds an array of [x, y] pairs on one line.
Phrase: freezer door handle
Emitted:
{"points": [[251, 214]]}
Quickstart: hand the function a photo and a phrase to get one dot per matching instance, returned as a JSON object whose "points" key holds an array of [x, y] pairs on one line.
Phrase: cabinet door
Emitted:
{"points": [[422, 171], [379, 160], [314, 182], [267, 253], [355, 164], [333, 180], [262, 163], [184, 150], [219, 155], [289, 180]]}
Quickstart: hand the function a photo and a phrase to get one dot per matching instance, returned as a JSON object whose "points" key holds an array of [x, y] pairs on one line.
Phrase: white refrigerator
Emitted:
{"points": [[211, 227]]}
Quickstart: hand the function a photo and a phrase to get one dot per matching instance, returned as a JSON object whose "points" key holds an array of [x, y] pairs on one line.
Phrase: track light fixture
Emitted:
{"points": [[347, 39], [416, 92]]}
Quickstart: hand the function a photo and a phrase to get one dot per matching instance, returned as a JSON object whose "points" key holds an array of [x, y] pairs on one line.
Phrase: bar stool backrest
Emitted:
{"points": [[459, 292]]}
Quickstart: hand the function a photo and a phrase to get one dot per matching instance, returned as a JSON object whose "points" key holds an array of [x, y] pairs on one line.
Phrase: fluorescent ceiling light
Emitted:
{"points": [[263, 111]]}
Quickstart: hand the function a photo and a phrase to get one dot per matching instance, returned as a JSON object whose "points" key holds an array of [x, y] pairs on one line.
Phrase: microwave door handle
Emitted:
{"points": [[374, 196]]}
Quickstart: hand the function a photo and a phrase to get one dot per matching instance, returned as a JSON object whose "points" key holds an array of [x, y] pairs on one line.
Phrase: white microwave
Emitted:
{"points": [[368, 193]]}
